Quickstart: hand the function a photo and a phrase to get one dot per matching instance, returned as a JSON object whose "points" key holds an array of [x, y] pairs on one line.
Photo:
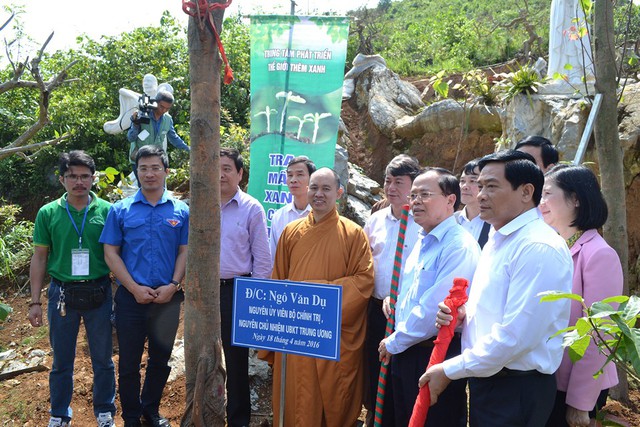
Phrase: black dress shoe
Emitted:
{"points": [[156, 420]]}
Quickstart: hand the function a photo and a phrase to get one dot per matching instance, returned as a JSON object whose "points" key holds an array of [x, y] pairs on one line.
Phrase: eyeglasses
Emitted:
{"points": [[74, 177], [154, 169], [422, 195]]}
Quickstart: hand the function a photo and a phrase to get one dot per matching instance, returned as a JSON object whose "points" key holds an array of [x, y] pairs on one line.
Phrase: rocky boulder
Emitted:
{"points": [[559, 118], [449, 114], [386, 117]]}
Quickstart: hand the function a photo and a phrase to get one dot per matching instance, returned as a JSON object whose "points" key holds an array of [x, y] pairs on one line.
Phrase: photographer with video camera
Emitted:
{"points": [[152, 125]]}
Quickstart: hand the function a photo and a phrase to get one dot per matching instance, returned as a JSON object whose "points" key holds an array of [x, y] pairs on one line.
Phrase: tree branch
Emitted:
{"points": [[6, 152], [45, 89]]}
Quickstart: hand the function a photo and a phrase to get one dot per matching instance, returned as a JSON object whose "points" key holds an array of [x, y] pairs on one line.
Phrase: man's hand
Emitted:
{"points": [[165, 293], [144, 294], [385, 356], [35, 315], [386, 307], [134, 118], [437, 381], [444, 317], [577, 418]]}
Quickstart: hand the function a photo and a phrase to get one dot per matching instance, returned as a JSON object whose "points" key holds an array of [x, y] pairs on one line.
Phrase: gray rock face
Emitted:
{"points": [[386, 97], [446, 115], [362, 192], [559, 118], [630, 131]]}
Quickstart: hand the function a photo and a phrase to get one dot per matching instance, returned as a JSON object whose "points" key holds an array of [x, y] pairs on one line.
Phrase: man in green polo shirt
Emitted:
{"points": [[67, 249]]}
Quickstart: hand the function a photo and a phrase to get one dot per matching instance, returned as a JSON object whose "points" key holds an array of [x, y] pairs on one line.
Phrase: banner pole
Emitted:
{"points": [[395, 281]]}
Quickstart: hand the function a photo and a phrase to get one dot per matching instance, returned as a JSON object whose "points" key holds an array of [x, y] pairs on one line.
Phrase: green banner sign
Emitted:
{"points": [[297, 69]]}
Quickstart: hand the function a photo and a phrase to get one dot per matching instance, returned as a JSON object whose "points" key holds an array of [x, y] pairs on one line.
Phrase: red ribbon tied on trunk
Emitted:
{"points": [[457, 297], [201, 9]]}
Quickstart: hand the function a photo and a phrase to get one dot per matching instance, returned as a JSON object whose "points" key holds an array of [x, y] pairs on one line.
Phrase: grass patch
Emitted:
{"points": [[30, 341]]}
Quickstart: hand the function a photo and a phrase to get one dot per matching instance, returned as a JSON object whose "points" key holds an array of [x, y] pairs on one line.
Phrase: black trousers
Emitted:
{"points": [[237, 360], [376, 323], [406, 369], [135, 323], [511, 401]]}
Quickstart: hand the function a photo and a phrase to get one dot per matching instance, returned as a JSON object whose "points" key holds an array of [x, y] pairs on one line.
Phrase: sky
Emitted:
{"points": [[69, 19]]}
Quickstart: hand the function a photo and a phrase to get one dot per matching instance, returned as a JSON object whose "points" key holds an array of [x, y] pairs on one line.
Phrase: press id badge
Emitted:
{"points": [[80, 262], [143, 135]]}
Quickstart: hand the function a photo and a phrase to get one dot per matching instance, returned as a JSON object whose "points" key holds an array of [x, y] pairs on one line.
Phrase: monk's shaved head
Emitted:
{"points": [[324, 191], [325, 170]]}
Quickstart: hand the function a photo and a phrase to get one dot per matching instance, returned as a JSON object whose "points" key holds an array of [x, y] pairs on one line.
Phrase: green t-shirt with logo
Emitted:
{"points": [[53, 229]]}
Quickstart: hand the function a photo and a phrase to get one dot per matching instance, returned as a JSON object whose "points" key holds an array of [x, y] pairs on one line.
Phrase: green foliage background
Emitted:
{"points": [[415, 37], [425, 36], [82, 107]]}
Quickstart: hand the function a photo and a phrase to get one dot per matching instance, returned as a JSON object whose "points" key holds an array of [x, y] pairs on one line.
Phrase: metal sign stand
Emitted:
{"points": [[283, 379], [584, 141]]}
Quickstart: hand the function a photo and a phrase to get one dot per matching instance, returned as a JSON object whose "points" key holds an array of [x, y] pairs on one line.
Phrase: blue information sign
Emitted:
{"points": [[289, 317]]}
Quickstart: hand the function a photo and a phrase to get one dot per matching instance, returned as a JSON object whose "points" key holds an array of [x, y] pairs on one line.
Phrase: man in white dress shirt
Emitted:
{"points": [[382, 231], [299, 170], [469, 216], [507, 353]]}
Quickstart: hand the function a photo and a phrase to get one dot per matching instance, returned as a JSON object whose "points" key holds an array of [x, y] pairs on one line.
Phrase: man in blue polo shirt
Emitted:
{"points": [[145, 245]]}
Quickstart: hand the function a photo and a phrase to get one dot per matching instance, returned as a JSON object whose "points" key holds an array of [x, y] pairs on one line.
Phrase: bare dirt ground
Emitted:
{"points": [[25, 398]]}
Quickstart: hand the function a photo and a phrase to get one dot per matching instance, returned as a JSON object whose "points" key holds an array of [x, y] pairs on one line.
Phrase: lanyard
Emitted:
{"points": [[79, 232]]}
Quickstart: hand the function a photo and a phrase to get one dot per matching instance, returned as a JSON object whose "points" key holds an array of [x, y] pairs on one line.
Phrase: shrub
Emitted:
{"points": [[16, 246]]}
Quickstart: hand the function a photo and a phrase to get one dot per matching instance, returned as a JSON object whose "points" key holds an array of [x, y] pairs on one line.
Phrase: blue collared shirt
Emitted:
{"points": [[148, 236], [447, 252]]}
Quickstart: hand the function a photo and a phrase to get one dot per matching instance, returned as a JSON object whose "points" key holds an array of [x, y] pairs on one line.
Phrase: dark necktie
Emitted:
{"points": [[484, 234]]}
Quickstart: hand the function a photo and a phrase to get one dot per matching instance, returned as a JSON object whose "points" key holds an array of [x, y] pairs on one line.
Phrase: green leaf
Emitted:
{"points": [[578, 348], [632, 344], [4, 311], [583, 326], [568, 67], [562, 331], [442, 88], [601, 309], [586, 5], [633, 61], [631, 308], [559, 76], [550, 296], [570, 337], [111, 171], [618, 298]]}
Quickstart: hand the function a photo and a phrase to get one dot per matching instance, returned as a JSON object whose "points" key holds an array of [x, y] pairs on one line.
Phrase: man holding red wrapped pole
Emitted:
{"points": [[444, 250], [506, 351]]}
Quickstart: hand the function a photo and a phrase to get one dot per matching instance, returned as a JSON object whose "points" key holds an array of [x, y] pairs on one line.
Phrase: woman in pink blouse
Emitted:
{"points": [[573, 205]]}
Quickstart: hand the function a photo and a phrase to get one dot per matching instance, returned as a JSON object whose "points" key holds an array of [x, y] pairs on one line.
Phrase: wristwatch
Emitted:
{"points": [[177, 284]]}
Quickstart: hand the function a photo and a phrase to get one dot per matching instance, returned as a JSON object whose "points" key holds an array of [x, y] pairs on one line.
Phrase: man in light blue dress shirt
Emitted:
{"points": [[443, 252]]}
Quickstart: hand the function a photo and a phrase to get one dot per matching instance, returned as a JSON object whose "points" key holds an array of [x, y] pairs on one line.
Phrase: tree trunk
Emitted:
{"points": [[205, 368], [610, 151]]}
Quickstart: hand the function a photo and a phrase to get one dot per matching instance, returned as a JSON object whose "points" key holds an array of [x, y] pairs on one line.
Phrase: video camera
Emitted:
{"points": [[146, 105]]}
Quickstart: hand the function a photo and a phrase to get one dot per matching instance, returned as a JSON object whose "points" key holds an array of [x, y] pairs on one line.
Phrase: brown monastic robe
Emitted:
{"points": [[336, 251]]}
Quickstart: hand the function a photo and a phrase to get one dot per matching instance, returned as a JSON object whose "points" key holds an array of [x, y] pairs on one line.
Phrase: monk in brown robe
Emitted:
{"points": [[325, 248]]}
